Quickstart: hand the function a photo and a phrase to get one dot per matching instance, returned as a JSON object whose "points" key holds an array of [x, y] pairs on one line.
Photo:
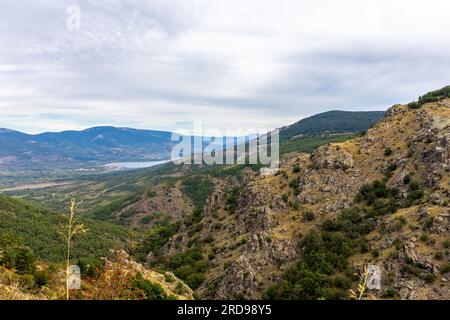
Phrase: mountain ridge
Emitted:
{"points": [[101, 144], [333, 121], [120, 144]]}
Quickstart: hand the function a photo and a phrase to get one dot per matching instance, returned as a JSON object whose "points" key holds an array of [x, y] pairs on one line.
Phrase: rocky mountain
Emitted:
{"points": [[379, 199]]}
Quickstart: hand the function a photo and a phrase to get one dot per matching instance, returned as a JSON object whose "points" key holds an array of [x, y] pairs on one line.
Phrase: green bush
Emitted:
{"points": [[146, 220], [387, 152], [429, 277], [309, 216], [379, 198], [446, 268], [371, 192], [156, 238], [389, 293], [446, 244], [198, 189], [432, 96], [323, 254], [226, 265], [424, 237], [90, 266], [41, 278], [27, 281], [151, 291], [353, 222], [195, 280], [364, 246], [232, 200], [414, 105], [190, 266], [25, 261], [415, 195], [209, 239], [16, 255], [406, 180], [375, 253], [439, 255], [428, 224], [295, 185], [296, 205], [169, 278], [415, 271], [194, 218]]}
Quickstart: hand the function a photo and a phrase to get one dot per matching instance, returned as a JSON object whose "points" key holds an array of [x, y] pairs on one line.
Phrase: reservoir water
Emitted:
{"points": [[134, 165]]}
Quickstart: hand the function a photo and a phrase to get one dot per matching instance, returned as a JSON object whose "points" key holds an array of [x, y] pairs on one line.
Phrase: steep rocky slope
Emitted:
{"points": [[165, 202], [250, 226], [409, 151]]}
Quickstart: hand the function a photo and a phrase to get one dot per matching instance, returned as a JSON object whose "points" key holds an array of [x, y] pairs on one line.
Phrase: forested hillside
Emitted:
{"points": [[332, 122]]}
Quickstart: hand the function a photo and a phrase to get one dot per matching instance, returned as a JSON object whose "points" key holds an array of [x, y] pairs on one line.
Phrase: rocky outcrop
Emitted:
{"points": [[120, 260], [247, 278], [239, 281], [412, 257], [332, 157], [154, 204], [249, 274], [443, 150], [338, 187], [253, 213]]}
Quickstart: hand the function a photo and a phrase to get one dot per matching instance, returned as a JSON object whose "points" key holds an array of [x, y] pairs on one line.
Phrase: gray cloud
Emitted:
{"points": [[250, 63]]}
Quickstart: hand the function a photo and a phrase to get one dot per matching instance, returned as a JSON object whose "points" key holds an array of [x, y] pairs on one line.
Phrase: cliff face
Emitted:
{"points": [[408, 145], [407, 141]]}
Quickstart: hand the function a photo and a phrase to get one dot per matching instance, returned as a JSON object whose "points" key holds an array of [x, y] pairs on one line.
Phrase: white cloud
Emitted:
{"points": [[244, 63]]}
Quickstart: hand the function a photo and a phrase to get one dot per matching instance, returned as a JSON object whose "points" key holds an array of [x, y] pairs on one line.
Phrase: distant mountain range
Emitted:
{"points": [[101, 144], [111, 144]]}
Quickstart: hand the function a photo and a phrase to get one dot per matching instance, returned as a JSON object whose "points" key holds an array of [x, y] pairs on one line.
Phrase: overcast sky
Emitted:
{"points": [[229, 63]]}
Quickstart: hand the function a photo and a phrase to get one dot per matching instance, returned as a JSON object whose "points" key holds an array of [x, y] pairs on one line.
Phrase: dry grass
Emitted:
{"points": [[11, 288]]}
